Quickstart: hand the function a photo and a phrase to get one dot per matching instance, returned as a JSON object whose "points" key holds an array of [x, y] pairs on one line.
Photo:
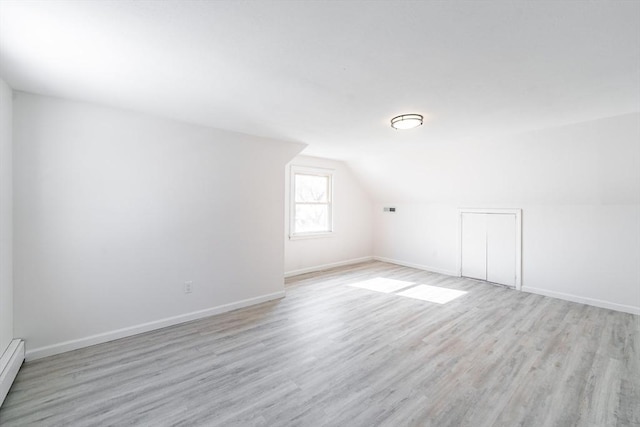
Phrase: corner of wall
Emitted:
{"points": [[6, 215]]}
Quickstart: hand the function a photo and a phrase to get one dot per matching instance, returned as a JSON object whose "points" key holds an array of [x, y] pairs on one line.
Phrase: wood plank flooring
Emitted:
{"points": [[330, 354]]}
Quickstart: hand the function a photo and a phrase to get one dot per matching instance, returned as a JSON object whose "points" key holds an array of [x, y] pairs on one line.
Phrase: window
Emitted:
{"points": [[311, 202]]}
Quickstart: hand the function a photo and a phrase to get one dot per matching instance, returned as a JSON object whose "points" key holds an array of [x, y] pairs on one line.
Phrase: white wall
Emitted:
{"points": [[114, 211], [578, 186], [6, 215], [352, 220]]}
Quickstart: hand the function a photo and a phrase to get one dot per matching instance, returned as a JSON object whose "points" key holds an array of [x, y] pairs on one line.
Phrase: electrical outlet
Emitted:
{"points": [[188, 287]]}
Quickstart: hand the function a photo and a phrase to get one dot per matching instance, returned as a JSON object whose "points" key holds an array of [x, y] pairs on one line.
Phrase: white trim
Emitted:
{"points": [[584, 300], [559, 295], [327, 266], [62, 347], [10, 364], [309, 170], [318, 235], [510, 211], [513, 211], [418, 266]]}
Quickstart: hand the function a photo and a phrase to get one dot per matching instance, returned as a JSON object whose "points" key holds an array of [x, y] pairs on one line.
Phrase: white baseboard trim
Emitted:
{"points": [[327, 266], [567, 297], [583, 300], [418, 266], [50, 350], [10, 364]]}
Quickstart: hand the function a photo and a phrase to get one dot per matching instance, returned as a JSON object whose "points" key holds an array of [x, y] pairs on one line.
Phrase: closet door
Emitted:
{"points": [[501, 249], [474, 246]]}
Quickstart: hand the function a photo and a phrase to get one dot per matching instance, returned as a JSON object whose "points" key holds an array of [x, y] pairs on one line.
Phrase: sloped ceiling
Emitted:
{"points": [[332, 74]]}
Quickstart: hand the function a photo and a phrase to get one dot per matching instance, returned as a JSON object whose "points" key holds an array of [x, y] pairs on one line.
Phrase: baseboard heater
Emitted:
{"points": [[10, 363]]}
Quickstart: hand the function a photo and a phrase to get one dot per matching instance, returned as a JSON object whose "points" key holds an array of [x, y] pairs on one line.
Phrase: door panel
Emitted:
{"points": [[501, 249], [474, 246]]}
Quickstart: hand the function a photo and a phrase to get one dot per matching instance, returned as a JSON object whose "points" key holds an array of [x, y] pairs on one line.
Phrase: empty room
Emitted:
{"points": [[320, 213]]}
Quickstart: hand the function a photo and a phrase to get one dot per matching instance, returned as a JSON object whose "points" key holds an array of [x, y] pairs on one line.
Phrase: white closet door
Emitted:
{"points": [[474, 245], [501, 249]]}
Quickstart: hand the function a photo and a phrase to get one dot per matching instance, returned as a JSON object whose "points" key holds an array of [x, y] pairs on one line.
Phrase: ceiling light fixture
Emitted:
{"points": [[406, 121]]}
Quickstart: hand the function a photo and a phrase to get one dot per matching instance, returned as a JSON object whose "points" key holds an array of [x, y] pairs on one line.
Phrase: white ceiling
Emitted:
{"points": [[332, 74]]}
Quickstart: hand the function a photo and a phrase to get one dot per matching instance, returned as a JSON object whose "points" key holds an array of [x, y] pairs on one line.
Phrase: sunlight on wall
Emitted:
{"points": [[435, 294]]}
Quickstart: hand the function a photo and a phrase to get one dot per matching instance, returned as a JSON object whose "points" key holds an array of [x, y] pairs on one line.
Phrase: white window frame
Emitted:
{"points": [[306, 170]]}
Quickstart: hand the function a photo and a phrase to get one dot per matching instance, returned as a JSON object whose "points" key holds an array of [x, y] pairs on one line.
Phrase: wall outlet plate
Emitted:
{"points": [[188, 287]]}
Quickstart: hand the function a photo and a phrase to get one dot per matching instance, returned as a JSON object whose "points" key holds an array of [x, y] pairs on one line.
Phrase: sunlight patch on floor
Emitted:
{"points": [[435, 294], [380, 284], [432, 293]]}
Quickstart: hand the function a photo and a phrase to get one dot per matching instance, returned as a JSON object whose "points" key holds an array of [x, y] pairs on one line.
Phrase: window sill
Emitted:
{"points": [[303, 236]]}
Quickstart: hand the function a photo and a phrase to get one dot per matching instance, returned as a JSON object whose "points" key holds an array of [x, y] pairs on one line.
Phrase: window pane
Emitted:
{"points": [[312, 218], [311, 188]]}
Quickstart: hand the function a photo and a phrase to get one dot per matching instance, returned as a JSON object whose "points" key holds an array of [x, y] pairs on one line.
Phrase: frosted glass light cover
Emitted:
{"points": [[406, 121]]}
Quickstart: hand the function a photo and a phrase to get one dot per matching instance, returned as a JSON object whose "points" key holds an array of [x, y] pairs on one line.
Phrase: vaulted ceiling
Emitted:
{"points": [[331, 74]]}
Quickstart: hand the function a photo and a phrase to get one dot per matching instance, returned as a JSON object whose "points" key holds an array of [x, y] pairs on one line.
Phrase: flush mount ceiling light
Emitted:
{"points": [[406, 121]]}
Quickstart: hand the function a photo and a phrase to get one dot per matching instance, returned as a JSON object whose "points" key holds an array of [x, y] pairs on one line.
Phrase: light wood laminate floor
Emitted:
{"points": [[334, 354]]}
